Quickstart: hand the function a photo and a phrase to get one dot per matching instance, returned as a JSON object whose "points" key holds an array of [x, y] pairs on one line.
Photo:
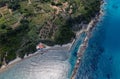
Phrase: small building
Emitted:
{"points": [[40, 46]]}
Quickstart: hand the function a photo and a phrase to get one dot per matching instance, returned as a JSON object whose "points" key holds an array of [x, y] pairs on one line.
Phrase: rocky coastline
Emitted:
{"points": [[84, 45], [88, 31]]}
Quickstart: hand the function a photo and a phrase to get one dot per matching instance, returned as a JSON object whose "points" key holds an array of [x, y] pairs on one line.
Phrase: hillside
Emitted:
{"points": [[25, 23]]}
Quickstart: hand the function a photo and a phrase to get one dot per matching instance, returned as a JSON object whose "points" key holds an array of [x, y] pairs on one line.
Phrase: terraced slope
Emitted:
{"points": [[25, 23]]}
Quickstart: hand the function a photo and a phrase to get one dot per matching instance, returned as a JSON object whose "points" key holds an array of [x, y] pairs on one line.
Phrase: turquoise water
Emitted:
{"points": [[52, 65], [101, 59], [73, 51]]}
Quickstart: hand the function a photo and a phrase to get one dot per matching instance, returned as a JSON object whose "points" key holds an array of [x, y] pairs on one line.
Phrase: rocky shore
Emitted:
{"points": [[84, 45]]}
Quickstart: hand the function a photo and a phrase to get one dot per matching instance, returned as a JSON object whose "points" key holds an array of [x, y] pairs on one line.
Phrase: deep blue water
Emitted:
{"points": [[101, 59]]}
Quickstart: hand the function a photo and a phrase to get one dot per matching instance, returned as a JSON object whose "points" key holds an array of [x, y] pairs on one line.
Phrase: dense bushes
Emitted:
{"points": [[17, 41], [14, 5], [23, 39], [63, 35]]}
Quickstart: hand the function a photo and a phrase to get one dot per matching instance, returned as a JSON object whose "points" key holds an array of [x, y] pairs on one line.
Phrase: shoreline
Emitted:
{"points": [[17, 60], [88, 31]]}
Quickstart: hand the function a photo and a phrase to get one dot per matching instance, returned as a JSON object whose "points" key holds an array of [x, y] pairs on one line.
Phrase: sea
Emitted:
{"points": [[101, 59]]}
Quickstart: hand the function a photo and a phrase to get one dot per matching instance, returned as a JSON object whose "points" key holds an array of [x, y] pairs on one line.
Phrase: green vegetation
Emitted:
{"points": [[25, 23], [63, 35]]}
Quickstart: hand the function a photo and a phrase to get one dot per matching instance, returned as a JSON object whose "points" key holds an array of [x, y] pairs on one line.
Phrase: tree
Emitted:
{"points": [[14, 5], [63, 35]]}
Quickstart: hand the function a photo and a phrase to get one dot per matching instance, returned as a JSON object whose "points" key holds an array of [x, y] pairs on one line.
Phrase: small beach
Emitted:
{"points": [[52, 63], [56, 62], [38, 52]]}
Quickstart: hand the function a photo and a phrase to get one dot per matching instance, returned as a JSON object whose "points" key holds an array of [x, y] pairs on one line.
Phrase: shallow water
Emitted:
{"points": [[101, 59], [52, 64], [73, 52]]}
